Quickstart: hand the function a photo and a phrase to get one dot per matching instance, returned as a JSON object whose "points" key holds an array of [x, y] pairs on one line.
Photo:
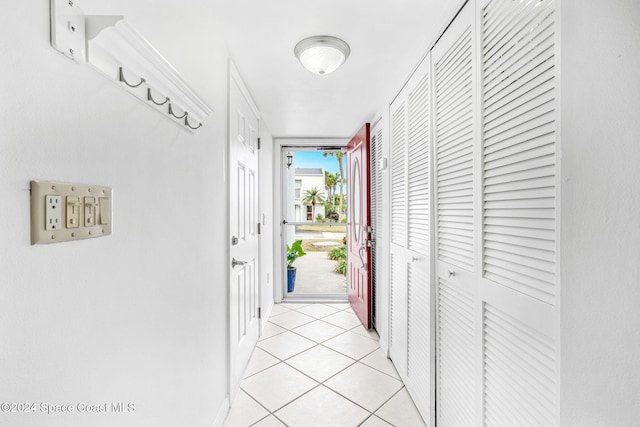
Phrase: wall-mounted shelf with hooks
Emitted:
{"points": [[112, 46]]}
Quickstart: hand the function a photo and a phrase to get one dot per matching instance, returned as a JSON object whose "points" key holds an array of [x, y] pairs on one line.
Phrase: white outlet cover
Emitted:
{"points": [[49, 224]]}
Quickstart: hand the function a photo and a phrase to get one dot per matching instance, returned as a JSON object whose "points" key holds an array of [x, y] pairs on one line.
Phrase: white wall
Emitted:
{"points": [[267, 218], [600, 270], [138, 316]]}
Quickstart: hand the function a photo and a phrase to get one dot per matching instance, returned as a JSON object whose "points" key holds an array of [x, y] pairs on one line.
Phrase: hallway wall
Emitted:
{"points": [[600, 271], [138, 316]]}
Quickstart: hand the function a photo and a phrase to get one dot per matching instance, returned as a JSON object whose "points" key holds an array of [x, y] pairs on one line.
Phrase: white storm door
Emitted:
{"points": [[244, 323]]}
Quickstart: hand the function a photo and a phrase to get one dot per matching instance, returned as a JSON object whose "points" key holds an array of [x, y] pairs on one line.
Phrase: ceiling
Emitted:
{"points": [[387, 40]]}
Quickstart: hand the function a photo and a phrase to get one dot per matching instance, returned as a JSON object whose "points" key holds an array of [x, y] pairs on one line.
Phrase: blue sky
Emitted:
{"points": [[314, 159]]}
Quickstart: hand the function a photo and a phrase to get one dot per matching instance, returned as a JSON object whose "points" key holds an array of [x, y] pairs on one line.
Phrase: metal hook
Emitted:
{"points": [[177, 117], [186, 123], [123, 80], [150, 98]]}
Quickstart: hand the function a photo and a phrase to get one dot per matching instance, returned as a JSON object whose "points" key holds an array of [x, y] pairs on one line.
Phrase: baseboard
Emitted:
{"points": [[222, 413]]}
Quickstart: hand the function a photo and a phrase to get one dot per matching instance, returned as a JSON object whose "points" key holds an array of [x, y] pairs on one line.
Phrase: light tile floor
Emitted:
{"points": [[315, 365]]}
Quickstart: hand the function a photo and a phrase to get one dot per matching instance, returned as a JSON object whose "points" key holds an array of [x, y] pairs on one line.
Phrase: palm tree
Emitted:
{"points": [[339, 156], [330, 182], [313, 197]]}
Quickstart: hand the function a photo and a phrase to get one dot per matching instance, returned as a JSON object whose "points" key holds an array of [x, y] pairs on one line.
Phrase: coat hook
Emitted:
{"points": [[186, 123], [150, 98], [123, 80], [177, 117]]}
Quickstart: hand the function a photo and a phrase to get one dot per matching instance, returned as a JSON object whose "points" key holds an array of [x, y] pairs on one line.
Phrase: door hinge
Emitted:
{"points": [[259, 231], [259, 312], [258, 143]]}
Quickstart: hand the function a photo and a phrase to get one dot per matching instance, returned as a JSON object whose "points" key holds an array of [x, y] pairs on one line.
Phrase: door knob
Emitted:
{"points": [[452, 273], [235, 263]]}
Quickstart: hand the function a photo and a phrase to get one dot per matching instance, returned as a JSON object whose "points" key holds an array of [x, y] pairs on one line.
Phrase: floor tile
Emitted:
{"points": [[374, 421], [279, 309], [351, 344], [322, 407], [294, 305], [371, 333], [260, 360], [400, 411], [365, 386], [270, 421], [318, 331], [270, 330], [320, 363], [379, 361], [277, 386], [340, 306], [345, 319], [291, 320], [244, 412], [318, 310], [285, 345]]}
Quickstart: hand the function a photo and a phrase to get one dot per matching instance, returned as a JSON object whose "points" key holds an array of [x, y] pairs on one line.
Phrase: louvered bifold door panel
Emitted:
{"points": [[398, 200], [398, 174], [373, 208], [519, 372], [519, 146], [455, 356], [454, 153], [418, 170], [418, 336], [398, 313]]}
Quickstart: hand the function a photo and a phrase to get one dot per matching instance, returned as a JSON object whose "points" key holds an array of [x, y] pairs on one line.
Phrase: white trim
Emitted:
{"points": [[235, 75], [223, 411], [279, 210]]}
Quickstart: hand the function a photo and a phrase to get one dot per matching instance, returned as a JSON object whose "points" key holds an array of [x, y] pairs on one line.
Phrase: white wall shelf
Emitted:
{"points": [[113, 47]]}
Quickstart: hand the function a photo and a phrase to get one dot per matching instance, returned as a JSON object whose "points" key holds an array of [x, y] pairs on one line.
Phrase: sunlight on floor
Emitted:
{"points": [[315, 365]]}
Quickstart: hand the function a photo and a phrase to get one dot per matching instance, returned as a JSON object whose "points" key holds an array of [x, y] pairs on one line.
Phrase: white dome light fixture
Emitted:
{"points": [[322, 54]]}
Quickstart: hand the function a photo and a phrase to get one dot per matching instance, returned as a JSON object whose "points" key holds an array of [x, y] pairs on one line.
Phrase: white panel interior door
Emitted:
{"points": [[244, 324], [411, 291]]}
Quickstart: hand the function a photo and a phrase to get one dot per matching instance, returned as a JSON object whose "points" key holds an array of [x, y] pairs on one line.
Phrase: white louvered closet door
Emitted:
{"points": [[411, 300], [455, 145], [519, 230]]}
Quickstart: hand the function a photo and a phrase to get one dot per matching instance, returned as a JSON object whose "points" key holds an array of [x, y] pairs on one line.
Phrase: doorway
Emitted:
{"points": [[313, 229]]}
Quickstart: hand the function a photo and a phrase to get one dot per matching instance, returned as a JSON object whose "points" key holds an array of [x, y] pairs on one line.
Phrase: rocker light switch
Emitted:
{"points": [[105, 210], [61, 212]]}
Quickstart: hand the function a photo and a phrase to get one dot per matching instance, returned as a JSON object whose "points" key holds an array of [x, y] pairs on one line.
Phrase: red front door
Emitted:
{"points": [[358, 226]]}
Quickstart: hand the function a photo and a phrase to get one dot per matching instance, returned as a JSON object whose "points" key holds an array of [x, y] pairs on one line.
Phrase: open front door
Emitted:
{"points": [[359, 226]]}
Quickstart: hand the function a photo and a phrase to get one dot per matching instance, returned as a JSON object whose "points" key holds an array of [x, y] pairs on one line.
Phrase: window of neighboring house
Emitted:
{"points": [[298, 188], [309, 213]]}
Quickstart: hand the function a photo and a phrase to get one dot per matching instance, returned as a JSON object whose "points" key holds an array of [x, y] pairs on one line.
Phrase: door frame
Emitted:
{"points": [[279, 166]]}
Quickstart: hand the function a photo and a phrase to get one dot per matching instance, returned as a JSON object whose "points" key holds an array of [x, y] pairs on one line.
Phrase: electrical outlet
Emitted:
{"points": [[53, 213], [73, 211], [62, 212]]}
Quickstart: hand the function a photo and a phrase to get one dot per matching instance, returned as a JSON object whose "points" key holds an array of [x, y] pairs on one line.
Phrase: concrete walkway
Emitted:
{"points": [[315, 275]]}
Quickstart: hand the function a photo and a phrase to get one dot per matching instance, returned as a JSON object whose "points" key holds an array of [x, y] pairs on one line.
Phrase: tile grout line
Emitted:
{"points": [[320, 383]]}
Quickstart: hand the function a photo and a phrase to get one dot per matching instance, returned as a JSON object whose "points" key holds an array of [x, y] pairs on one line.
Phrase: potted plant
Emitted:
{"points": [[293, 253]]}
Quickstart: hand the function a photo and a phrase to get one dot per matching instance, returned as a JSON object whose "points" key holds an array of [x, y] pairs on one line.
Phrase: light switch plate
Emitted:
{"points": [[54, 220]]}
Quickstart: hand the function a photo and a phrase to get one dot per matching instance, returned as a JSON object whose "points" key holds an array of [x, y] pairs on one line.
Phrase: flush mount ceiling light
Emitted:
{"points": [[322, 54]]}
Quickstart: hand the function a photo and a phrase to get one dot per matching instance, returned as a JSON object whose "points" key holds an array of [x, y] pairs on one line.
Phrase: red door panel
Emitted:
{"points": [[358, 225]]}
